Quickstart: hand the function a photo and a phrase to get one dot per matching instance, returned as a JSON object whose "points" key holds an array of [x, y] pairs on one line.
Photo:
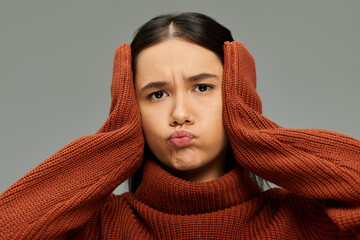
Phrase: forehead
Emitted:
{"points": [[175, 56]]}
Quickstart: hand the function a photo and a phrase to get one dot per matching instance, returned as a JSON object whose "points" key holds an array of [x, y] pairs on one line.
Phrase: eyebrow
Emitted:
{"points": [[194, 78]]}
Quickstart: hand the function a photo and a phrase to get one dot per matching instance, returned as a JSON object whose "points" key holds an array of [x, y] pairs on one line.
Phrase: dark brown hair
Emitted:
{"points": [[197, 28]]}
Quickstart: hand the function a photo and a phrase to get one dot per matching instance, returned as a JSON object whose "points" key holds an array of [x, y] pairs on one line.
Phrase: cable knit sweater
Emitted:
{"points": [[69, 195]]}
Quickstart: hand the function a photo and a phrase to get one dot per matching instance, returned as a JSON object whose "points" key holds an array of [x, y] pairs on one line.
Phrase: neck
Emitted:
{"points": [[167, 193]]}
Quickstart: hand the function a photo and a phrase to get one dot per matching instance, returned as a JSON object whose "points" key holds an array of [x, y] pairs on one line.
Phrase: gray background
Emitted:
{"points": [[56, 66]]}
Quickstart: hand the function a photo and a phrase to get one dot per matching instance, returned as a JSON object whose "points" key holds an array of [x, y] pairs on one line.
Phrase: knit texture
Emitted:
{"points": [[69, 195]]}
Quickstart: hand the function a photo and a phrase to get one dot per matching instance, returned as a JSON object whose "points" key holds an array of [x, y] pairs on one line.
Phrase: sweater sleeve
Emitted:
{"points": [[313, 163], [68, 189]]}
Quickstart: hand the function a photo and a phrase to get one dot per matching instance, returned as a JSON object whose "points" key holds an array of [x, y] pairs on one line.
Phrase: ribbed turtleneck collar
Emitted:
{"points": [[167, 193]]}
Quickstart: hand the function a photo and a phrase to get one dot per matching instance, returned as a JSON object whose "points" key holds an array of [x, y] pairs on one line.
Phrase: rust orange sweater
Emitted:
{"points": [[69, 195]]}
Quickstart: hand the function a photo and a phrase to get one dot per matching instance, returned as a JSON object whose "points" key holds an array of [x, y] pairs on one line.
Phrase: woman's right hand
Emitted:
{"points": [[64, 191], [123, 126]]}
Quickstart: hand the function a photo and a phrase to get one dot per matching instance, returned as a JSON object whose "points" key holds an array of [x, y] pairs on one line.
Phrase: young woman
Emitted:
{"points": [[186, 126]]}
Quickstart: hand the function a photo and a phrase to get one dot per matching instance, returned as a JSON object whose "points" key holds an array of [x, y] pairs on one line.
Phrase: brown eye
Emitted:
{"points": [[156, 95], [203, 87]]}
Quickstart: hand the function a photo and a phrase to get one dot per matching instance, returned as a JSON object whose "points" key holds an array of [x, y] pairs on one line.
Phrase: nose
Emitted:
{"points": [[181, 112]]}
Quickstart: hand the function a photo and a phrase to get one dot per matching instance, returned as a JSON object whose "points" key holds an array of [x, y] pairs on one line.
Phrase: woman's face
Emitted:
{"points": [[178, 87]]}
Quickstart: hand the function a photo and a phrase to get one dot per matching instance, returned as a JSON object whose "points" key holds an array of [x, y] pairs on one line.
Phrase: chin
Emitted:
{"points": [[187, 163]]}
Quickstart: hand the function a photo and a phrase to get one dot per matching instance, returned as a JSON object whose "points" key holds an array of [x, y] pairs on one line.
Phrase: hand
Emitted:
{"points": [[288, 157], [77, 179], [123, 125]]}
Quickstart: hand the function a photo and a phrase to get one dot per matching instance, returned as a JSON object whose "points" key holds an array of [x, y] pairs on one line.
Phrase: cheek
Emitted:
{"points": [[213, 125], [154, 127], [211, 112], [152, 122]]}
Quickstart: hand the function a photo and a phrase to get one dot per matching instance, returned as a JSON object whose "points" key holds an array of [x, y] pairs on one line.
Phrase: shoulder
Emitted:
{"points": [[116, 201], [280, 196], [286, 205], [124, 204], [307, 214], [282, 200]]}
